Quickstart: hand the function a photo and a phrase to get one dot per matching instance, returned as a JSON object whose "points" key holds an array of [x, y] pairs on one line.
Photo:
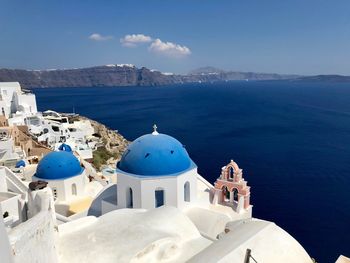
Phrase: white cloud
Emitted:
{"points": [[156, 46], [169, 49], [98, 37], [134, 39]]}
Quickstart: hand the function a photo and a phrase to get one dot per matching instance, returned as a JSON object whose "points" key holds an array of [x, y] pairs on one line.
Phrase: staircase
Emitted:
{"points": [[14, 184]]}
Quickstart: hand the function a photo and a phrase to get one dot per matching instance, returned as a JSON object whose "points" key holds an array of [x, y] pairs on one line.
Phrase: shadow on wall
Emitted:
{"points": [[108, 194]]}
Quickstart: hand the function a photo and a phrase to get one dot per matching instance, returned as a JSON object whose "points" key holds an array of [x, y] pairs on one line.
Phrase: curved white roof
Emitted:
{"points": [[267, 241], [165, 234], [131, 235]]}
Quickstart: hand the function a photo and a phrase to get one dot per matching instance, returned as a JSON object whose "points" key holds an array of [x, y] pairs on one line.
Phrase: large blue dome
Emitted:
{"points": [[155, 155], [58, 165]]}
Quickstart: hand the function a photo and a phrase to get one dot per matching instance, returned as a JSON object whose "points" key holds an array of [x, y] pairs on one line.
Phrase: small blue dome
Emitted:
{"points": [[65, 147], [20, 163], [58, 165], [155, 155]]}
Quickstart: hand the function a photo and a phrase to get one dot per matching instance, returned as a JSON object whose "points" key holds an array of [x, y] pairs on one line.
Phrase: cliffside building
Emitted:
{"points": [[160, 210]]}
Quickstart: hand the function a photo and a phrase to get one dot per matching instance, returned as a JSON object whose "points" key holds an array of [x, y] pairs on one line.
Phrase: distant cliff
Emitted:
{"points": [[210, 74], [324, 78], [124, 75], [88, 77]]}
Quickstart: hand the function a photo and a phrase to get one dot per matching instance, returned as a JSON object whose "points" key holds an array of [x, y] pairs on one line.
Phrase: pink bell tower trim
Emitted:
{"points": [[231, 189]]}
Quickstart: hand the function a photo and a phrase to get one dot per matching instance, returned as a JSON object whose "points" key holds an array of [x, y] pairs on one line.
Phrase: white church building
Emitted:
{"points": [[63, 173], [72, 190], [156, 170]]}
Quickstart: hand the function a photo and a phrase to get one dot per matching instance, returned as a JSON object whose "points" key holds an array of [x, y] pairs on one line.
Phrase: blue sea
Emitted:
{"points": [[292, 140]]}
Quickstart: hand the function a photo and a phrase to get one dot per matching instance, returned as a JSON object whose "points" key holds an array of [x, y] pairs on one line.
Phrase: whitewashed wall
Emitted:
{"points": [[26, 103], [5, 250], [34, 240], [64, 187], [143, 189]]}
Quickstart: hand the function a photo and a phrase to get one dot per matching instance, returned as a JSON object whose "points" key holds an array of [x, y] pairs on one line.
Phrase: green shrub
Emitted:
{"points": [[100, 157]]}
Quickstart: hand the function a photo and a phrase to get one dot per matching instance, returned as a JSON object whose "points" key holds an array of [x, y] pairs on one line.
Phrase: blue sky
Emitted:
{"points": [[289, 36]]}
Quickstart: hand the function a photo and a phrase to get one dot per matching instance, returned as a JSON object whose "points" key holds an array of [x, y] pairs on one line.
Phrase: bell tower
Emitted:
{"points": [[230, 189]]}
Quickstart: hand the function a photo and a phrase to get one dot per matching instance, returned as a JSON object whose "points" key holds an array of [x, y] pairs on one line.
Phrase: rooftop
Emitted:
{"points": [[155, 155]]}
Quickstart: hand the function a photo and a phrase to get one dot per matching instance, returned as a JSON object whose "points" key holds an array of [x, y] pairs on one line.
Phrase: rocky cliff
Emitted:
{"points": [[123, 75], [112, 75], [112, 148]]}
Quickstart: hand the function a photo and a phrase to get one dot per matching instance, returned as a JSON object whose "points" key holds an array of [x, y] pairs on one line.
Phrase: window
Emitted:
{"points": [[74, 189], [226, 194], [235, 195], [55, 128], [231, 173], [159, 197], [129, 198], [187, 197]]}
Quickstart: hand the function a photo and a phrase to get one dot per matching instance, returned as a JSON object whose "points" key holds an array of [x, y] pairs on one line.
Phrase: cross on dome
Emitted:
{"points": [[155, 130]]}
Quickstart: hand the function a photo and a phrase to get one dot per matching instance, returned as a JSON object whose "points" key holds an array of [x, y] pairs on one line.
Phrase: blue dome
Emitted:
{"points": [[58, 165], [65, 147], [155, 155], [20, 163]]}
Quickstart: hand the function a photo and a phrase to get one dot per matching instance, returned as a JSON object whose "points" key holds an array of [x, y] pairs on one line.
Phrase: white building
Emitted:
{"points": [[53, 129], [9, 153], [16, 104], [13, 195], [19, 108], [63, 173], [72, 191], [50, 127], [156, 170]]}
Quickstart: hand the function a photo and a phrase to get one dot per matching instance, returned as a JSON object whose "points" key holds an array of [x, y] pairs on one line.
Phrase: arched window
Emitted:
{"points": [[226, 194], [235, 195], [231, 173], [159, 197], [74, 189], [187, 197], [129, 198]]}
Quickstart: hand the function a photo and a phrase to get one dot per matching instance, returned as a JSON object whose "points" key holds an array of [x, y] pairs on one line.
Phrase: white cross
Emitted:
{"points": [[155, 130]]}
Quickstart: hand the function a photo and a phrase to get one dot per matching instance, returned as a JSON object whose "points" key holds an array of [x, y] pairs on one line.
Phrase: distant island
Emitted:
{"points": [[129, 75]]}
